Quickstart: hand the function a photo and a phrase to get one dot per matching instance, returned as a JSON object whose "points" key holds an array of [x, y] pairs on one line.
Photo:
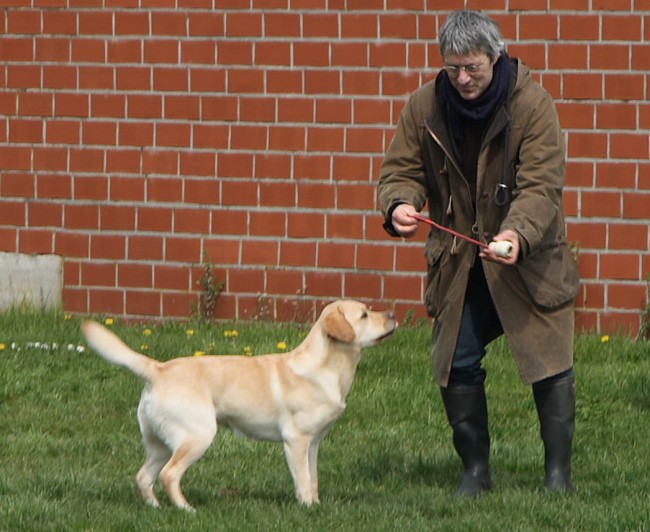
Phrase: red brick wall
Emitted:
{"points": [[135, 142]]}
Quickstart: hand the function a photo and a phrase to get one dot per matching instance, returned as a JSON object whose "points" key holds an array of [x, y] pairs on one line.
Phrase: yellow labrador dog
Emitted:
{"points": [[294, 397]]}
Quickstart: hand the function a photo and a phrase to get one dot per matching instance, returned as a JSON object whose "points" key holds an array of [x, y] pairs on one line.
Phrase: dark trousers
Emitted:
{"points": [[479, 325]]}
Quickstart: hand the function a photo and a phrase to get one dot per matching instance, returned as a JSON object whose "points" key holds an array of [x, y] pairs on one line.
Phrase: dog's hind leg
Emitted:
{"points": [[188, 452], [296, 450], [157, 456]]}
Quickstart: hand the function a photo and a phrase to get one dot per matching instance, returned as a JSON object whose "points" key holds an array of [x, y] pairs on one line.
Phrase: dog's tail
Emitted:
{"points": [[115, 351]]}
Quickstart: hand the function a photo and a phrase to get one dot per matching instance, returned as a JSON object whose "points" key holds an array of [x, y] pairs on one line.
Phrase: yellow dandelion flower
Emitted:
{"points": [[67, 317], [234, 333], [147, 332], [144, 347], [248, 351], [604, 339], [199, 353], [2, 347], [109, 321], [282, 346], [189, 332]]}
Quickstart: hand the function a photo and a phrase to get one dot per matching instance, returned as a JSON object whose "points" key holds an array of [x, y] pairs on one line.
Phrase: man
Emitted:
{"points": [[481, 145]]}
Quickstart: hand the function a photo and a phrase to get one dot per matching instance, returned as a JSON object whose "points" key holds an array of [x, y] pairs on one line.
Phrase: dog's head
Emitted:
{"points": [[354, 323]]}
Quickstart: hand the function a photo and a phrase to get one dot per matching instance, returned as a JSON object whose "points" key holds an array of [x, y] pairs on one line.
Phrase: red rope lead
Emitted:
{"points": [[421, 218]]}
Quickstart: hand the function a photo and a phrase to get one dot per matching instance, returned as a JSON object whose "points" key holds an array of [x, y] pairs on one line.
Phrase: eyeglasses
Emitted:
{"points": [[454, 70]]}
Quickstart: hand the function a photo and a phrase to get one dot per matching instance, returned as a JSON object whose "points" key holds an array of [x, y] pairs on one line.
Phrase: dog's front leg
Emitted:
{"points": [[296, 450], [313, 468]]}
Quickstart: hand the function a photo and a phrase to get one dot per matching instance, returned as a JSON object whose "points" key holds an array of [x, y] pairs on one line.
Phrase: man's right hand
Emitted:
{"points": [[403, 221]]}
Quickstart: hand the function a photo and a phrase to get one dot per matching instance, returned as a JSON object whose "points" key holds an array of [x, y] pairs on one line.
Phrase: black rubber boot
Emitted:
{"points": [[556, 407], [466, 408]]}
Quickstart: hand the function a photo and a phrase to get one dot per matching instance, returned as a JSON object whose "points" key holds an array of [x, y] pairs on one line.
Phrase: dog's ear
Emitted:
{"points": [[338, 327]]}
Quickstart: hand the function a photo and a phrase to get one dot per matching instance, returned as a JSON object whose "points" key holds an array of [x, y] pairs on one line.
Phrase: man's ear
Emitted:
{"points": [[338, 327]]}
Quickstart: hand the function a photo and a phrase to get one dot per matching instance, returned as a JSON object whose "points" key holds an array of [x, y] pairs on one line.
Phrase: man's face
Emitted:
{"points": [[469, 74]]}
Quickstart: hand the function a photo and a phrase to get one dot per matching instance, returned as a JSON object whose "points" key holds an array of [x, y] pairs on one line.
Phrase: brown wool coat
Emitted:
{"points": [[535, 298]]}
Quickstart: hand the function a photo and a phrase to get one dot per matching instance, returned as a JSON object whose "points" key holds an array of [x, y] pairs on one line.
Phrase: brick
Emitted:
{"points": [[81, 216], [60, 22], [311, 166], [30, 104], [364, 140], [260, 252], [287, 138], [99, 133], [62, 132], [135, 275], [171, 278], [98, 274], [268, 224], [106, 302], [234, 165], [316, 196], [108, 247], [311, 54], [333, 111], [359, 25], [609, 56], [88, 51], [17, 49], [349, 54], [60, 77], [275, 194], [54, 186], [25, 131], [375, 257], [629, 146], [108, 105], [359, 285], [18, 185], [615, 175], [160, 162], [568, 56], [399, 83], [636, 205], [31, 241], [127, 161], [52, 49], [41, 214], [222, 250], [620, 266], [624, 87], [95, 23], [590, 145], [324, 139], [23, 21], [583, 86], [279, 24], [601, 204], [272, 166], [72, 244], [53, 159], [587, 235], [23, 76], [158, 219], [336, 255], [305, 225], [235, 52], [320, 25], [143, 303], [579, 27], [351, 168], [86, 160], [145, 247], [116, 218], [344, 226], [322, 82], [616, 116], [206, 24], [324, 283], [538, 26], [191, 221], [298, 253], [201, 191], [628, 236], [207, 80], [133, 78]]}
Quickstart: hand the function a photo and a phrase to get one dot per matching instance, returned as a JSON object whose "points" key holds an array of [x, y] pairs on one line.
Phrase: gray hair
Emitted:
{"points": [[466, 32]]}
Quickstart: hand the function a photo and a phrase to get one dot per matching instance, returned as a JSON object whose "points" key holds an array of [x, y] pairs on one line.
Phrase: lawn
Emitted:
{"points": [[70, 445]]}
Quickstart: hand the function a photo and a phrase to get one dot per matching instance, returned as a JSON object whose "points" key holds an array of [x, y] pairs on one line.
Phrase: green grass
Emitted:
{"points": [[70, 445]]}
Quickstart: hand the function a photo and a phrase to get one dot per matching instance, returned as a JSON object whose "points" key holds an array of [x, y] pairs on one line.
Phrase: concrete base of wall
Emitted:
{"points": [[32, 281]]}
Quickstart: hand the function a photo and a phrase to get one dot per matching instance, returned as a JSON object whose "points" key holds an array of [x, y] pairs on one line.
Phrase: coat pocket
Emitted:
{"points": [[433, 295], [550, 276]]}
